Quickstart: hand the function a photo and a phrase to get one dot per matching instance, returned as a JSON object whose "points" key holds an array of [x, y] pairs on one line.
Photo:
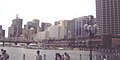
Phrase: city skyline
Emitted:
{"points": [[45, 11]]}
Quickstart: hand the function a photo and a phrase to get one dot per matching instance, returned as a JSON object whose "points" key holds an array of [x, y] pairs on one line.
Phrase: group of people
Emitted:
{"points": [[4, 55], [65, 56], [58, 56]]}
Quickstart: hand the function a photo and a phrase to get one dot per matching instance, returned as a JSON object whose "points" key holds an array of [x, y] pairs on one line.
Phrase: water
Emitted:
{"points": [[30, 54]]}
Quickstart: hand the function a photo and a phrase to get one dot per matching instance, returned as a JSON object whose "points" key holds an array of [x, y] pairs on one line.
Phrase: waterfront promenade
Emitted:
{"points": [[30, 54]]}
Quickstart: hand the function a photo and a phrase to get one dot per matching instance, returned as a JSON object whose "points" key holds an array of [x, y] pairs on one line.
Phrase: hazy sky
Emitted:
{"points": [[44, 10]]}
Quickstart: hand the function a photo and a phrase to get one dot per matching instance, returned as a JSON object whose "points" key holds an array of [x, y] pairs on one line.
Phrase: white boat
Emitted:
{"points": [[16, 45], [5, 44], [33, 46]]}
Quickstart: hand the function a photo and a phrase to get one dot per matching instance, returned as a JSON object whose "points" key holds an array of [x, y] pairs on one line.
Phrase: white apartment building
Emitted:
{"points": [[53, 32], [56, 32]]}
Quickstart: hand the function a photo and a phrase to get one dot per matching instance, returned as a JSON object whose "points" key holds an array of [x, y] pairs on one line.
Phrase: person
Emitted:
{"points": [[5, 55], [1, 57], [23, 56], [59, 57], [66, 57], [2, 50], [56, 55], [62, 57], [38, 57]]}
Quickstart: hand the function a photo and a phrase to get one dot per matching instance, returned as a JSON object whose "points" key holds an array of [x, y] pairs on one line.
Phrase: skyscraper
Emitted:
{"points": [[16, 28], [2, 32], [108, 16], [79, 25], [45, 25], [31, 28]]}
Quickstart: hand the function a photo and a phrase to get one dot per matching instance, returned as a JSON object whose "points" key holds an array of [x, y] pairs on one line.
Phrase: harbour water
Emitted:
{"points": [[30, 54]]}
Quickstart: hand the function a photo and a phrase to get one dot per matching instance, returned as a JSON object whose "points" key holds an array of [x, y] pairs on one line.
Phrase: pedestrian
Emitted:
{"points": [[5, 55], [66, 56], [62, 57], [23, 56], [38, 57], [58, 56], [2, 50], [1, 57]]}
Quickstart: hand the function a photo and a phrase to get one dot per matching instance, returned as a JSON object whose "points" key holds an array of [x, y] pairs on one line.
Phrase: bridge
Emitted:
{"points": [[6, 40]]}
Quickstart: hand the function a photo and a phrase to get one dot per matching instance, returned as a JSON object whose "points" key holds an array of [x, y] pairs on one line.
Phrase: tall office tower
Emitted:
{"points": [[33, 24], [69, 26], [31, 28], [0, 27], [108, 16], [45, 25], [79, 25], [25, 31], [36, 21], [2, 32], [16, 28]]}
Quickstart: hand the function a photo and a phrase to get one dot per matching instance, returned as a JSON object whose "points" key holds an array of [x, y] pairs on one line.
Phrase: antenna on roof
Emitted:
{"points": [[17, 16]]}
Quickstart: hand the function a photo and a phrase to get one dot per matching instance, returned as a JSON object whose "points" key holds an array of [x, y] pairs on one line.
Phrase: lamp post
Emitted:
{"points": [[91, 30]]}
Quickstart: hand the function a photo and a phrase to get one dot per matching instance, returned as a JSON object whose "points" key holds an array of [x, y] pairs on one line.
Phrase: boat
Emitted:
{"points": [[16, 45], [33, 46]]}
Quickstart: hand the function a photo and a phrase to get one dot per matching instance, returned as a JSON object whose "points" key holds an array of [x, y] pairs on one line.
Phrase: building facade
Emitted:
{"points": [[79, 25], [45, 25], [108, 16], [30, 29], [56, 32], [16, 28], [2, 32]]}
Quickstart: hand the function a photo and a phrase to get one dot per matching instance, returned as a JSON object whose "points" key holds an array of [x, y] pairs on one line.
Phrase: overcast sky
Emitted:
{"points": [[44, 10]]}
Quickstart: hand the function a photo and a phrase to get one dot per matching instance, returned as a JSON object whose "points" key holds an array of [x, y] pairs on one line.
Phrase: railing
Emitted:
{"points": [[84, 57]]}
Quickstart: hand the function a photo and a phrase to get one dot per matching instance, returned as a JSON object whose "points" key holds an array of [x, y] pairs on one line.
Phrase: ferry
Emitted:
{"points": [[33, 46]]}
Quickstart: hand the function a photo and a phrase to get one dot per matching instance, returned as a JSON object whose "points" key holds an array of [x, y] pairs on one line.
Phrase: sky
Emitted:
{"points": [[44, 10]]}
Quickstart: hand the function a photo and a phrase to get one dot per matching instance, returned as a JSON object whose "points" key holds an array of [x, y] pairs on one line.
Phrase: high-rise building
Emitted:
{"points": [[79, 25], [33, 24], [30, 29], [36, 21], [69, 26], [45, 25], [2, 32], [108, 16], [0, 27], [16, 27], [56, 32]]}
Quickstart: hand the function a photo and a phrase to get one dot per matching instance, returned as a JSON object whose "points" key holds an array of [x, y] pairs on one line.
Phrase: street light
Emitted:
{"points": [[91, 30]]}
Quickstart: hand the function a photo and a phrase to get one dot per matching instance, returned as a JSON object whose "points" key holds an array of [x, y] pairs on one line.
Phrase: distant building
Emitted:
{"points": [[0, 27], [52, 32], [41, 35], [32, 24], [75, 27], [16, 28], [69, 26], [31, 33], [30, 29], [25, 32], [36, 21], [108, 16], [45, 25], [79, 25], [116, 42], [2, 32], [56, 32]]}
